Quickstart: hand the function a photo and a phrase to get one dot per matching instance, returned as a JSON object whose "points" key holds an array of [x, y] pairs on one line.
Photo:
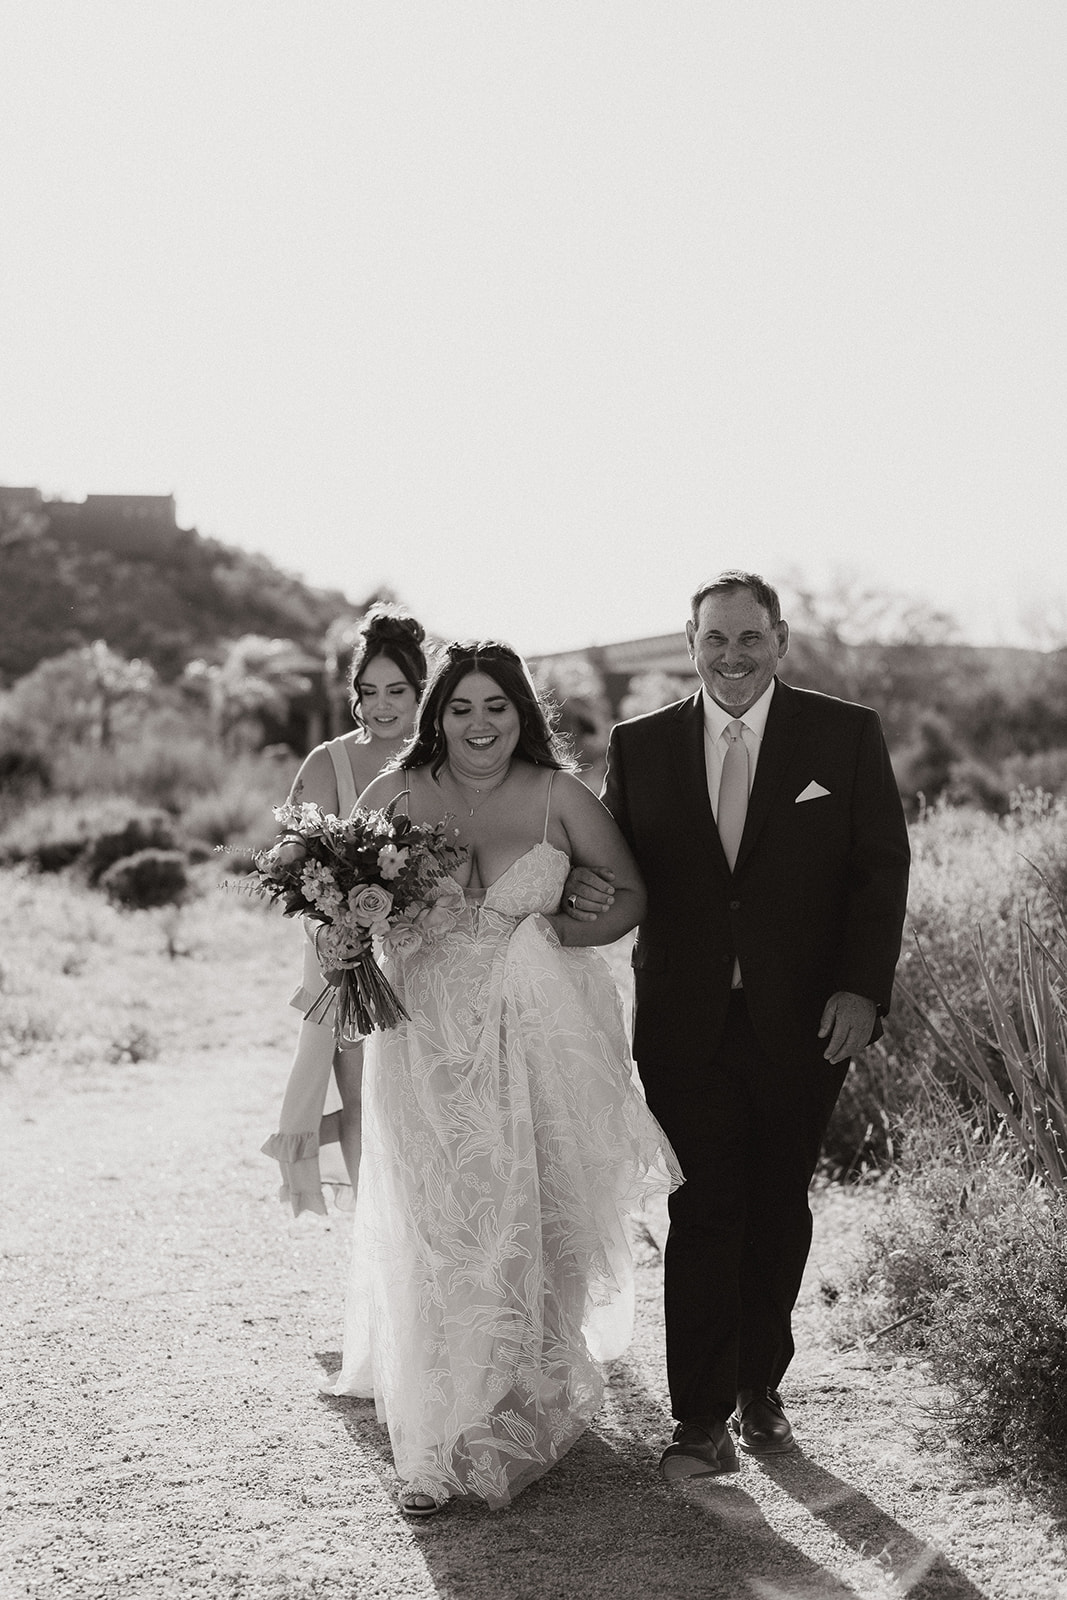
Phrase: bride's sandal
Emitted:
{"points": [[419, 1505]]}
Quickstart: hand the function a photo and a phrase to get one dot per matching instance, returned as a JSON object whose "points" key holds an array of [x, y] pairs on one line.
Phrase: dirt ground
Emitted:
{"points": [[166, 1326]]}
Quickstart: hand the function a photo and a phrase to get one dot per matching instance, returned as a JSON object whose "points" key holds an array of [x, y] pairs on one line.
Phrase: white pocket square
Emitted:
{"points": [[812, 792]]}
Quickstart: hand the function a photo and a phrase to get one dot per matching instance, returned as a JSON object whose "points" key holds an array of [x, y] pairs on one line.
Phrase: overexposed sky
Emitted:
{"points": [[540, 311]]}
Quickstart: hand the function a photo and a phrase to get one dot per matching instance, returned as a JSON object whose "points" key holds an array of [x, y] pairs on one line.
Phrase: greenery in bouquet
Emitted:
{"points": [[375, 883]]}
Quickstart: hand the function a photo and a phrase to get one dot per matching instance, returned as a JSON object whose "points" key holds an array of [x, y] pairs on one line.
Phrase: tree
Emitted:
{"points": [[648, 691], [77, 696], [878, 647], [257, 677]]}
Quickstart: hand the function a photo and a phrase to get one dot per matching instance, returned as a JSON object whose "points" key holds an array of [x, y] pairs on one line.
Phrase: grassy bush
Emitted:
{"points": [[25, 775], [170, 765], [173, 786], [1046, 770], [967, 1266], [173, 763], [1001, 1343], [234, 814], [238, 814], [53, 834], [968, 1261], [56, 833], [141, 831], [148, 878], [158, 770], [970, 871]]}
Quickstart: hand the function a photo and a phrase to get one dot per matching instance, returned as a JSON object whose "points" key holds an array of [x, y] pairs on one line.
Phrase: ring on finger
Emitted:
{"points": [[572, 900]]}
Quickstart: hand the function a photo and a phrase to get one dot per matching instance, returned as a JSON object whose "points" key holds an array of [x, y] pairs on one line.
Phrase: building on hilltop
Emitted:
{"points": [[138, 525], [148, 510], [16, 502]]}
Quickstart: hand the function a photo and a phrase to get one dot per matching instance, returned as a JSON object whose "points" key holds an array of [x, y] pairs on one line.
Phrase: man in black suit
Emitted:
{"points": [[769, 831]]}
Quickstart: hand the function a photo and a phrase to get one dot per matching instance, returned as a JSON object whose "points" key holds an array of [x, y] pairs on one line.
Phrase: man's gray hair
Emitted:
{"points": [[729, 582]]}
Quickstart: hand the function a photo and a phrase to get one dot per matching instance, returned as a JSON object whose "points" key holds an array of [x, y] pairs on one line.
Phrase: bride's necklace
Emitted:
{"points": [[484, 793]]}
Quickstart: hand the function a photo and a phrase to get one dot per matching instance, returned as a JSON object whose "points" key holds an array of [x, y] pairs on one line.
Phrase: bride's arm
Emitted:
{"points": [[594, 840]]}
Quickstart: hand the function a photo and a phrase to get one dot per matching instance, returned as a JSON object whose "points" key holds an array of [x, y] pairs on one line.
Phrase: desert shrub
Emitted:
{"points": [[169, 763], [157, 770], [966, 1265], [864, 1128], [1045, 770], [971, 871], [133, 1043], [25, 773], [141, 831], [148, 878], [1001, 1343], [968, 1261], [55, 834], [1025, 1084], [239, 813], [22, 1027], [172, 761], [951, 1175], [974, 783]]}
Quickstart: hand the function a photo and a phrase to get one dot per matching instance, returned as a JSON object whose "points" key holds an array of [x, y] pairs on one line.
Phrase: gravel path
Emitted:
{"points": [[167, 1326]]}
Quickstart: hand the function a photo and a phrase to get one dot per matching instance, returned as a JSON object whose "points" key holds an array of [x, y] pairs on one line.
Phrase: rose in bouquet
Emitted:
{"points": [[376, 884]]}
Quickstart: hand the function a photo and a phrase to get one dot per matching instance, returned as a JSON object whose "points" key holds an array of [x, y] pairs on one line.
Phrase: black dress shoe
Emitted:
{"points": [[759, 1424], [698, 1452]]}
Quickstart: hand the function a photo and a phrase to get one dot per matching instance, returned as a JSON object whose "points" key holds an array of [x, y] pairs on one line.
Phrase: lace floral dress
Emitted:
{"points": [[504, 1143]]}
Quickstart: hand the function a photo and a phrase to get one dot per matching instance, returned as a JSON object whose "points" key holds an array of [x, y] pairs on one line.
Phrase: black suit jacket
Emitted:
{"points": [[817, 897]]}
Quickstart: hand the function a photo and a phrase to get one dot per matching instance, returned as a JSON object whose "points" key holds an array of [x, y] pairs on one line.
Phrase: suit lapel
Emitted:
{"points": [[780, 738], [687, 747]]}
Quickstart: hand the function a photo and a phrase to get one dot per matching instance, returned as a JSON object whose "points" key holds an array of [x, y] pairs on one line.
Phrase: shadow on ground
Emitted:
{"points": [[603, 1523]]}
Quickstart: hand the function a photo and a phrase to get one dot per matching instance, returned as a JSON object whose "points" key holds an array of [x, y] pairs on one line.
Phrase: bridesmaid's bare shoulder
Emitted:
{"points": [[384, 788], [315, 782]]}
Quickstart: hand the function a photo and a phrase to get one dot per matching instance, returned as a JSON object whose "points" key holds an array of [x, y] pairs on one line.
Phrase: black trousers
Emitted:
{"points": [[747, 1131]]}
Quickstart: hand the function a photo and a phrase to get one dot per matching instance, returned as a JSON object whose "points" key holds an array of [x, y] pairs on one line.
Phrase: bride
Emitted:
{"points": [[504, 1140]]}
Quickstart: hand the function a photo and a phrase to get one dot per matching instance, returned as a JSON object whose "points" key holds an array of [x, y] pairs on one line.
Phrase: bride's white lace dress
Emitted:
{"points": [[504, 1143]]}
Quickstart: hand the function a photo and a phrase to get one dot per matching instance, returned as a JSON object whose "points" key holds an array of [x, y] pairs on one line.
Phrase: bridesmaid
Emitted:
{"points": [[386, 679]]}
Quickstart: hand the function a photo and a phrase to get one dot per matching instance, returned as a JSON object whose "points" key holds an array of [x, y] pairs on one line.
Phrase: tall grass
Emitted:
{"points": [[174, 766], [970, 872], [1021, 1069], [968, 1261]]}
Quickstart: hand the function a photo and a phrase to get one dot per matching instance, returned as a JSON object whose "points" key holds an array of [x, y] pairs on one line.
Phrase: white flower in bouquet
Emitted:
{"points": [[369, 879]]}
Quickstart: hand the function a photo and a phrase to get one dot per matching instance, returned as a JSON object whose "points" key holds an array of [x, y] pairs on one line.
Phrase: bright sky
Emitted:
{"points": [[539, 312]]}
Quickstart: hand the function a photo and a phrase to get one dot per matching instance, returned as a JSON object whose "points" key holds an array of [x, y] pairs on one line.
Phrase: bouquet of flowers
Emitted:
{"points": [[377, 884]]}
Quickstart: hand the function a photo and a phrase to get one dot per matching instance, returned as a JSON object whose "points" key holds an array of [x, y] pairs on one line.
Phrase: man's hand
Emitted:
{"points": [[587, 893], [851, 1018]]}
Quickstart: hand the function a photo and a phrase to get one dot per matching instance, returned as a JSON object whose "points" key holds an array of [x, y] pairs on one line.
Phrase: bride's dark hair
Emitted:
{"points": [[387, 630], [538, 743]]}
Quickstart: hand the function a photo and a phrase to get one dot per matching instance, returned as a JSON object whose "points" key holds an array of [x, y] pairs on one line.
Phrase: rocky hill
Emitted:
{"points": [[118, 568]]}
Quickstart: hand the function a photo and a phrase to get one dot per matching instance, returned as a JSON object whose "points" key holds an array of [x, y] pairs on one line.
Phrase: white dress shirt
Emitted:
{"points": [[716, 722], [753, 726]]}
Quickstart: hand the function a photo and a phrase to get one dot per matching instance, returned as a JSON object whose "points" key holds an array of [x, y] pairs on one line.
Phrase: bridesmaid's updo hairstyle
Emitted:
{"points": [[538, 743], [388, 631]]}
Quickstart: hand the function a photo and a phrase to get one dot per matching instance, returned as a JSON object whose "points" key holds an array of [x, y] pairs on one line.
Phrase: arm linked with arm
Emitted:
{"points": [[596, 838]]}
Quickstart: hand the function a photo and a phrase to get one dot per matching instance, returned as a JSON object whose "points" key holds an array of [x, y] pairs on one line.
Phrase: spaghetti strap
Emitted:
{"points": [[548, 806]]}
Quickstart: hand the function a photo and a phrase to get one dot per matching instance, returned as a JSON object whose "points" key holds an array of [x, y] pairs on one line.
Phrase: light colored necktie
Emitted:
{"points": [[733, 793]]}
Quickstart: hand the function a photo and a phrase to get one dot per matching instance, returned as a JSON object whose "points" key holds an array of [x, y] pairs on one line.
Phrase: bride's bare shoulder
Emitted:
{"points": [[570, 793]]}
